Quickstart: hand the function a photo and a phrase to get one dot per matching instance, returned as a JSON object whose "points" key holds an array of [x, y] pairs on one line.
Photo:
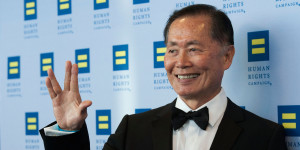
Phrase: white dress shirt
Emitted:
{"points": [[190, 136]]}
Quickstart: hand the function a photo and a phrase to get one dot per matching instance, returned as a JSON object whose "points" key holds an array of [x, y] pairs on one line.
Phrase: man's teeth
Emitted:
{"points": [[187, 76]]}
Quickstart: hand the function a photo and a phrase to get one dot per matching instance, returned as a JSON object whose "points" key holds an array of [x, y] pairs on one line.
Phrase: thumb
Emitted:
{"points": [[84, 105]]}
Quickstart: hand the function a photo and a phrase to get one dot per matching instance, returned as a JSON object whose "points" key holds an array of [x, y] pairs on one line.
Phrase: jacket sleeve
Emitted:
{"points": [[76, 141], [117, 141], [277, 141]]}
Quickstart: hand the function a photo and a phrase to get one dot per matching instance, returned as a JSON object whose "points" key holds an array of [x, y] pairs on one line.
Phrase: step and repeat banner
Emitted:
{"points": [[119, 48]]}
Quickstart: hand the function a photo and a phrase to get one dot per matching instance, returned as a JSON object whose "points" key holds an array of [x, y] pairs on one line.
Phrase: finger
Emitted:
{"points": [[67, 76], [55, 85], [84, 105], [74, 78], [50, 88]]}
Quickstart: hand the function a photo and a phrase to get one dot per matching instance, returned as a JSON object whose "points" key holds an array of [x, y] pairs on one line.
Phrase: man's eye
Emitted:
{"points": [[172, 51], [193, 49]]}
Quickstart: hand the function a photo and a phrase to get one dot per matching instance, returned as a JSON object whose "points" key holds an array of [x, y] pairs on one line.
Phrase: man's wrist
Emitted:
{"points": [[60, 129]]}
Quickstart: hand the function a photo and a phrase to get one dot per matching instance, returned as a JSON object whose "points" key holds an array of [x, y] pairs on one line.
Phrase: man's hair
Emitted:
{"points": [[221, 28]]}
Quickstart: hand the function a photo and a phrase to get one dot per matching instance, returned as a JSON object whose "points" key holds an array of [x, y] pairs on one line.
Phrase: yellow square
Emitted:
{"points": [[47, 61], [64, 6], [258, 41], [288, 115], [160, 58], [289, 125], [103, 126], [120, 61], [47, 67], [120, 53], [30, 5], [30, 12], [31, 127], [61, 1], [102, 118], [14, 64], [100, 1], [161, 50], [31, 120], [13, 71], [82, 65], [258, 50], [82, 57]]}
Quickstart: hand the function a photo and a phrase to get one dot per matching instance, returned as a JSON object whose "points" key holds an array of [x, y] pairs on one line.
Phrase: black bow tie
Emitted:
{"points": [[200, 117]]}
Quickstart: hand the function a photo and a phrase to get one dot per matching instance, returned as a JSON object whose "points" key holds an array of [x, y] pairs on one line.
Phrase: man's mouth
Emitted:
{"points": [[189, 76]]}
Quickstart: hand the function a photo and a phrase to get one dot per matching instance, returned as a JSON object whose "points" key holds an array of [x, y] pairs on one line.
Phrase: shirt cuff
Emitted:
{"points": [[56, 131]]}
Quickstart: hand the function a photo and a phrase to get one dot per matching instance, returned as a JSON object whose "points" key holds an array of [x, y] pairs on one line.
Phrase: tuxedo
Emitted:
{"points": [[152, 130]]}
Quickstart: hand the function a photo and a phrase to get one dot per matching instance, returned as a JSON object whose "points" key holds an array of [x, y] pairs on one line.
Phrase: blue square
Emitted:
{"points": [[30, 10], [13, 67], [141, 110], [101, 4], [120, 57], [287, 118], [64, 7], [32, 123], [140, 1], [103, 122], [82, 59], [159, 50], [258, 46], [46, 62]]}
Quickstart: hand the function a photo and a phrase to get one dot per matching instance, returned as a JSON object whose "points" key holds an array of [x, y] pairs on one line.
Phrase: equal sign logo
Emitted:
{"points": [[46, 63], [287, 117], [159, 54], [101, 4], [13, 67], [31, 123], [82, 59], [103, 122], [258, 46], [120, 57], [30, 10], [64, 7]]}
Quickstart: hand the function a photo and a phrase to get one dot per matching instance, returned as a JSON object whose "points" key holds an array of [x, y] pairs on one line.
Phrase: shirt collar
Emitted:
{"points": [[216, 106]]}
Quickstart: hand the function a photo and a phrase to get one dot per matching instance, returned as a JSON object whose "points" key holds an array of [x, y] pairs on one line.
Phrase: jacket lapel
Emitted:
{"points": [[228, 130], [162, 129]]}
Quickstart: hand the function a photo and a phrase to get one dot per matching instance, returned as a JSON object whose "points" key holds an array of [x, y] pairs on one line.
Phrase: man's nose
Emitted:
{"points": [[183, 60]]}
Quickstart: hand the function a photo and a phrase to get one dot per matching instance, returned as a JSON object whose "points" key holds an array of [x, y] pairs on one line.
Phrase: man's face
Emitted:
{"points": [[195, 62]]}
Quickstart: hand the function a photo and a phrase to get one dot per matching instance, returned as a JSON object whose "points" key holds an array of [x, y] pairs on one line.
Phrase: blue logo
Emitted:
{"points": [[159, 54], [140, 1], [120, 57], [47, 62], [141, 110], [258, 46], [287, 117], [64, 7], [30, 9], [82, 59], [13, 67], [101, 4], [32, 123], [103, 122]]}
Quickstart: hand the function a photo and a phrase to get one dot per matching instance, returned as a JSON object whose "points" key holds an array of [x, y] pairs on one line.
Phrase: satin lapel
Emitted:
{"points": [[228, 130], [162, 129]]}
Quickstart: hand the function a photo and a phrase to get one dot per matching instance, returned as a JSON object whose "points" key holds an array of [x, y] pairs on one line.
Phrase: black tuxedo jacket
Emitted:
{"points": [[152, 130]]}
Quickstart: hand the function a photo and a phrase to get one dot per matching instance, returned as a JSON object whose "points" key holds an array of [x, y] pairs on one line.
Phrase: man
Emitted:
{"points": [[200, 48]]}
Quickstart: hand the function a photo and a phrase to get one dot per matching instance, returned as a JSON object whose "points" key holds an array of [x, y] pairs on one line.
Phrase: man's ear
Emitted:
{"points": [[229, 52]]}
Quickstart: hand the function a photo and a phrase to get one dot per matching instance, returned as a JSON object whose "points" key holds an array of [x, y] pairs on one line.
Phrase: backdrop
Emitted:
{"points": [[119, 50]]}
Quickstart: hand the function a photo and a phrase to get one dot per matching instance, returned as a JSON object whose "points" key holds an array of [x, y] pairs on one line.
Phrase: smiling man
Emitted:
{"points": [[200, 48]]}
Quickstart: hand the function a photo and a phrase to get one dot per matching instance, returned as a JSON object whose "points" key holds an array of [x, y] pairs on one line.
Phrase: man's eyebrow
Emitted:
{"points": [[171, 43], [194, 42]]}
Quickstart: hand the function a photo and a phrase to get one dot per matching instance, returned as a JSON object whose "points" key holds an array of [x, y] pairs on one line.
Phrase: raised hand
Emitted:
{"points": [[69, 111]]}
